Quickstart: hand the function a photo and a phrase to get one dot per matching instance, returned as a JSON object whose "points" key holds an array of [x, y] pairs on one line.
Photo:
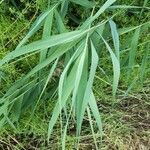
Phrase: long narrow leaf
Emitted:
{"points": [[116, 67], [36, 25], [115, 38], [94, 63], [132, 52], [84, 3]]}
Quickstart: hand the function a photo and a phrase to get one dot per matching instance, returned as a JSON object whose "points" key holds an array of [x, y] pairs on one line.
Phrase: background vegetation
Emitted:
{"points": [[125, 116]]}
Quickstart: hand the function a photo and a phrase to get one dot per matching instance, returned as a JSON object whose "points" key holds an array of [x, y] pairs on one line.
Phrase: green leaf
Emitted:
{"points": [[88, 90], [92, 128], [66, 84], [95, 111], [144, 62], [69, 84], [46, 33], [64, 8], [59, 23], [61, 88], [84, 3], [115, 38], [43, 44], [116, 67], [36, 25], [127, 7], [106, 5], [132, 52]]}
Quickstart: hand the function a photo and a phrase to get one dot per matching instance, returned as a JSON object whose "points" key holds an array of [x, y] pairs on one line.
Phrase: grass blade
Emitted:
{"points": [[59, 23], [84, 3], [116, 67], [92, 128], [115, 38], [69, 82], [46, 33], [36, 25], [106, 5], [43, 44], [95, 111], [144, 63], [132, 52], [88, 90], [64, 8]]}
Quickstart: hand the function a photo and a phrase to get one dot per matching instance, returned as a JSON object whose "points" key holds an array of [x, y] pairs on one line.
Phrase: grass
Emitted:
{"points": [[124, 127], [93, 55]]}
